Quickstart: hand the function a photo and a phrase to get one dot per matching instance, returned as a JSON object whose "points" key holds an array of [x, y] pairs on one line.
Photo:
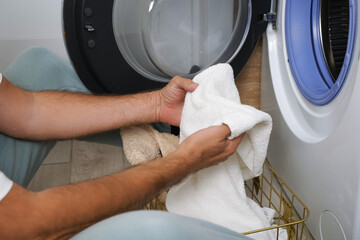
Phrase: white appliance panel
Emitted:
{"points": [[316, 149]]}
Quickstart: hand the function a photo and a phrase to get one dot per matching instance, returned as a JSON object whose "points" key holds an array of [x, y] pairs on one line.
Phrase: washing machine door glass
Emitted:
{"points": [[164, 38], [129, 46]]}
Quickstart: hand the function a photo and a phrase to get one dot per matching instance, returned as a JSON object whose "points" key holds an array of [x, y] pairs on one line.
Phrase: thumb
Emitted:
{"points": [[223, 131], [236, 141], [187, 84], [191, 87]]}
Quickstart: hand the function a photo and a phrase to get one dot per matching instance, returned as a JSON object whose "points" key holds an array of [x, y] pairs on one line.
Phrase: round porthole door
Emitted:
{"points": [[320, 40], [128, 46]]}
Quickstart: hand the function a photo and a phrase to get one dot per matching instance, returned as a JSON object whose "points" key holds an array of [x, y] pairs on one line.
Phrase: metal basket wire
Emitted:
{"points": [[269, 190]]}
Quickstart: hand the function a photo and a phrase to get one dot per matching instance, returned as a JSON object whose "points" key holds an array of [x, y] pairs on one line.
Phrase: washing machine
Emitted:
{"points": [[311, 88], [128, 46], [309, 78]]}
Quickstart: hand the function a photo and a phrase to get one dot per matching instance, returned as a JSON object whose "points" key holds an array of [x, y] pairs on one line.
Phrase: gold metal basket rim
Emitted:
{"points": [[306, 212]]}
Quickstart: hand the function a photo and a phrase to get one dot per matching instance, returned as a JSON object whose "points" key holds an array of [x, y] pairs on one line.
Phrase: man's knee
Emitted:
{"points": [[35, 53], [151, 223], [38, 69], [133, 225], [32, 60], [159, 224]]}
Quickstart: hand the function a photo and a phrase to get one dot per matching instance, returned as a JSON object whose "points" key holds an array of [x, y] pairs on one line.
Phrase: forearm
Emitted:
{"points": [[60, 115], [56, 211]]}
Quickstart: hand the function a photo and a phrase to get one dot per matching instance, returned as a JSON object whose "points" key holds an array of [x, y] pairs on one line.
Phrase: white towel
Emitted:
{"points": [[217, 194]]}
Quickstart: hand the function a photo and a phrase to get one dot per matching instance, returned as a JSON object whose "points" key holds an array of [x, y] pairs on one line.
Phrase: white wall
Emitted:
{"points": [[26, 23]]}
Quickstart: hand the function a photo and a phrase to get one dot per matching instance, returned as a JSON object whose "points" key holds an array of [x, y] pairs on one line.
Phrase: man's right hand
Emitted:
{"points": [[170, 100], [208, 147]]}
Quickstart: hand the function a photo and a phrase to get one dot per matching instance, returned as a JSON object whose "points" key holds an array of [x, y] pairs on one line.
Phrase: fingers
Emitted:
{"points": [[238, 139], [234, 143], [209, 146], [220, 132], [224, 133], [186, 84], [224, 130]]}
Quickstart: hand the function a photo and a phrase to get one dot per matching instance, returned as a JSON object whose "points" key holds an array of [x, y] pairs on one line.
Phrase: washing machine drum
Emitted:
{"points": [[128, 46]]}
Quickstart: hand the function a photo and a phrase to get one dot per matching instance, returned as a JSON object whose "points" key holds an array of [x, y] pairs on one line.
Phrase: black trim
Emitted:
{"points": [[98, 60], [101, 67], [335, 33], [257, 28]]}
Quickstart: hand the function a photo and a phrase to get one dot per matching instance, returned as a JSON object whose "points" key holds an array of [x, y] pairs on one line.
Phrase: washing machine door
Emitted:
{"points": [[128, 46]]}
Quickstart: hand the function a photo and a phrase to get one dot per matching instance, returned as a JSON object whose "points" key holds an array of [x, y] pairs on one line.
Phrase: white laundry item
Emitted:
{"points": [[217, 194]]}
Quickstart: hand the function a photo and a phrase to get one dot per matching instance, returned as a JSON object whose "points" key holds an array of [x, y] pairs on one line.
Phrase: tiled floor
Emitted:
{"points": [[72, 161]]}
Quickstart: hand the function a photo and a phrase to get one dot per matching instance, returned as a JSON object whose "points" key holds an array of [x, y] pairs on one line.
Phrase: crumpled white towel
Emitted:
{"points": [[217, 194]]}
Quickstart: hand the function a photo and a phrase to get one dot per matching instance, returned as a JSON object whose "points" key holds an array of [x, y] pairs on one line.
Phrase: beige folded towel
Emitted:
{"points": [[143, 143]]}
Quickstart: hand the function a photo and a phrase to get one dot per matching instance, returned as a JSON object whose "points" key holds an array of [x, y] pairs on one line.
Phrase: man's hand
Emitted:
{"points": [[170, 100], [208, 147]]}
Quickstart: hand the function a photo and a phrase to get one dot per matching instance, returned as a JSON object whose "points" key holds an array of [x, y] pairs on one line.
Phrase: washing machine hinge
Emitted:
{"points": [[271, 16]]}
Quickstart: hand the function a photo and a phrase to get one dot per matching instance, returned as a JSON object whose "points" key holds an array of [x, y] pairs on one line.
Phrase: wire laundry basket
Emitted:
{"points": [[269, 190]]}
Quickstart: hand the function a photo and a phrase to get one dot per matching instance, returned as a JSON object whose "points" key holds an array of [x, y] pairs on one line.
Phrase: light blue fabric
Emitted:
{"points": [[34, 69], [156, 225], [39, 69]]}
